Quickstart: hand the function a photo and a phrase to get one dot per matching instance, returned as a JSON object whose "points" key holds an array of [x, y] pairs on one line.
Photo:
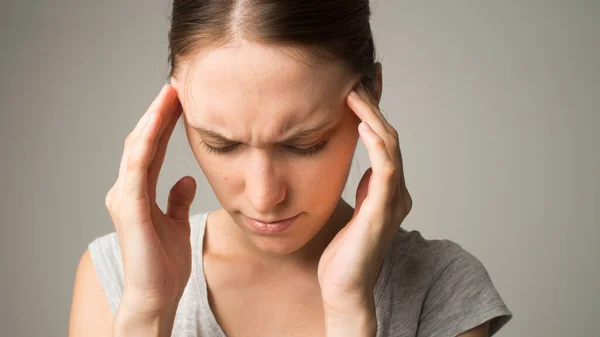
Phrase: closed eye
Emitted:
{"points": [[296, 150]]}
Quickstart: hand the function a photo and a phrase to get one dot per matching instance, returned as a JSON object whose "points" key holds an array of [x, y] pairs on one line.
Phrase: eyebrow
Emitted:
{"points": [[296, 136]]}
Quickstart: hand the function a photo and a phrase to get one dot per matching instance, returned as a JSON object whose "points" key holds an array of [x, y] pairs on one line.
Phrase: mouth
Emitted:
{"points": [[270, 227], [273, 221]]}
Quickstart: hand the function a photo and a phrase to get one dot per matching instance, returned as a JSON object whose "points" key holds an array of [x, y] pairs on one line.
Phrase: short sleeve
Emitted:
{"points": [[105, 253], [461, 296]]}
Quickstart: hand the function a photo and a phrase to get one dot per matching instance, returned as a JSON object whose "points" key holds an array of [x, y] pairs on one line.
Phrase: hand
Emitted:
{"points": [[155, 246], [350, 265]]}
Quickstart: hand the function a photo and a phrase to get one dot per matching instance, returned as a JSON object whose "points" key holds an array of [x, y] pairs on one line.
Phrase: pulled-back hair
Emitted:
{"points": [[324, 30]]}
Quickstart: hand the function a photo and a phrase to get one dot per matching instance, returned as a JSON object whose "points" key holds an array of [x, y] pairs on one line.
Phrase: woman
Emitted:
{"points": [[274, 96]]}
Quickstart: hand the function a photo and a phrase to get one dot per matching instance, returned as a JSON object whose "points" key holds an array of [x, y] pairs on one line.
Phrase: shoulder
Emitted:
{"points": [[434, 264], [427, 257], [105, 255], [414, 240], [450, 286]]}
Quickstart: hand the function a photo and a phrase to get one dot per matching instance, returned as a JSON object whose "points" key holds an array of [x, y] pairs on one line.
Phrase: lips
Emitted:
{"points": [[270, 227], [271, 222]]}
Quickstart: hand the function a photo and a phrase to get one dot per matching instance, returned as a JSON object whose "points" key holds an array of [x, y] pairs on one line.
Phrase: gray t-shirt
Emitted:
{"points": [[431, 288]]}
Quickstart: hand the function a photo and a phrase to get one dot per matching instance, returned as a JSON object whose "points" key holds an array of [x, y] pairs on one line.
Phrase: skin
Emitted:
{"points": [[273, 96], [260, 113]]}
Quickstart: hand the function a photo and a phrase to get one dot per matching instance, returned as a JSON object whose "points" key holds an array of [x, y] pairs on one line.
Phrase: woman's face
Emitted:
{"points": [[273, 136]]}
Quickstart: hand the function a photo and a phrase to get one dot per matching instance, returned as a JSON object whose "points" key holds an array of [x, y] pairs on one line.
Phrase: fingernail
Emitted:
{"points": [[353, 95]]}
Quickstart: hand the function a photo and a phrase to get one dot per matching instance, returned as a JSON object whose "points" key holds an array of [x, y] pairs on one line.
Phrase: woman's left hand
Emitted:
{"points": [[350, 265]]}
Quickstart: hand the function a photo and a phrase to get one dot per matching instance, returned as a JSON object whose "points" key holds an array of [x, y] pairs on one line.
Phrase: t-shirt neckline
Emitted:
{"points": [[202, 286]]}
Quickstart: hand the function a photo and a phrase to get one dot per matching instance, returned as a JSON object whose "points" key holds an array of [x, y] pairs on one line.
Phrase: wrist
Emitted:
{"points": [[134, 320], [144, 303], [358, 322], [350, 304], [130, 324]]}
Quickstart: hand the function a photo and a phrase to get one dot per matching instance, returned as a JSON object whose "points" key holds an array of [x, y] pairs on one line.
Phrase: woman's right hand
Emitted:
{"points": [[155, 246]]}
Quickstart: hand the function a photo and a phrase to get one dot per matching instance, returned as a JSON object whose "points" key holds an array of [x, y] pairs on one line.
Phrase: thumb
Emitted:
{"points": [[180, 198], [362, 189]]}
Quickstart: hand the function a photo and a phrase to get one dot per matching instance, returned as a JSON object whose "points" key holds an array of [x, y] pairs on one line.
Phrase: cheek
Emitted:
{"points": [[330, 169], [217, 170]]}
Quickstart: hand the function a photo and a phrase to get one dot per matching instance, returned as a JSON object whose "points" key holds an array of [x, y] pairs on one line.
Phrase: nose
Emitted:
{"points": [[265, 187]]}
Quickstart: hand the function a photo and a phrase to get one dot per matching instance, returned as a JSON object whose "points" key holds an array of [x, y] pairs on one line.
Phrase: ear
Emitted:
{"points": [[377, 90]]}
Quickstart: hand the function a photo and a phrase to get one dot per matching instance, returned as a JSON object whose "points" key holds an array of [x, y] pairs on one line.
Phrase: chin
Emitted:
{"points": [[277, 247]]}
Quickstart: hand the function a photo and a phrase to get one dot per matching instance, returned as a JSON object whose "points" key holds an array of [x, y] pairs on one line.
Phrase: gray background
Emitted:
{"points": [[497, 106]]}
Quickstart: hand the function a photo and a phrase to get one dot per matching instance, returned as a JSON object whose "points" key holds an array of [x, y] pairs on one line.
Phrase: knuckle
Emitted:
{"points": [[393, 137], [134, 162], [379, 144], [389, 171], [394, 133], [108, 199], [176, 200], [393, 141], [128, 140], [111, 200]]}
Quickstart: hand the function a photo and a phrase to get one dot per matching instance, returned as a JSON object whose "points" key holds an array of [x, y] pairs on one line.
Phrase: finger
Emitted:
{"points": [[171, 114], [370, 113], [154, 107], [365, 106], [127, 149], [135, 181], [362, 189], [365, 94], [401, 196], [135, 132], [181, 197], [382, 181], [131, 203]]}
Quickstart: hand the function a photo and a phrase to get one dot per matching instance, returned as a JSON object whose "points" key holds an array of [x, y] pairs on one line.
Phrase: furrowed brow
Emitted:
{"points": [[295, 137], [212, 134]]}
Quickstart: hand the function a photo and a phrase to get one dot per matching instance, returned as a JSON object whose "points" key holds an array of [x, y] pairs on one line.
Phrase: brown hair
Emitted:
{"points": [[327, 30]]}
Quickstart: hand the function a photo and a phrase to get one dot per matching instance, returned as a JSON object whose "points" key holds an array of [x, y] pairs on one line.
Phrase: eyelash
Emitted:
{"points": [[302, 152]]}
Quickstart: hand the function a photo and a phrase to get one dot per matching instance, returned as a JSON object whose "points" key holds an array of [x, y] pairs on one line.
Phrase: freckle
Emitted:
{"points": [[225, 178]]}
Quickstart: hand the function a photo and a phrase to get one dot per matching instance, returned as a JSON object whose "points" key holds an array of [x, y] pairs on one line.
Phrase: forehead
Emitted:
{"points": [[250, 82]]}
